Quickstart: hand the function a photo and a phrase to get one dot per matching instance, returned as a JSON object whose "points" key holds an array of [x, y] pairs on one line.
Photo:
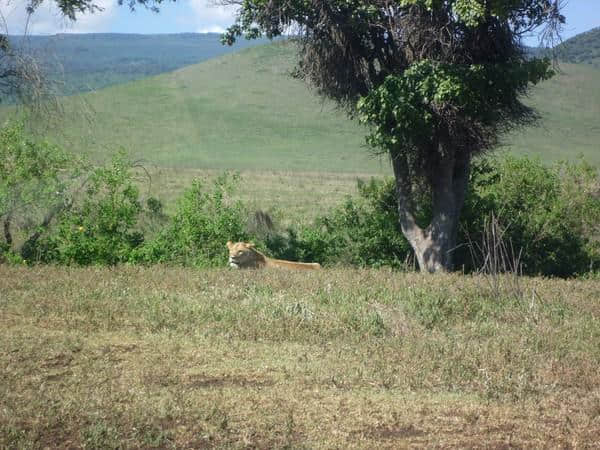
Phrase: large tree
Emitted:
{"points": [[437, 81]]}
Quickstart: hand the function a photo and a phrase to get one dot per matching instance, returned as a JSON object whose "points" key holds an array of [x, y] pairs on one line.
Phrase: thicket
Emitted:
{"points": [[550, 216], [205, 219], [103, 225], [35, 177], [56, 209], [549, 220]]}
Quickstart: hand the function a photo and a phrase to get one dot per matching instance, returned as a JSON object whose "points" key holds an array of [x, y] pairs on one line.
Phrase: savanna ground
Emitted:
{"points": [[166, 357], [341, 358]]}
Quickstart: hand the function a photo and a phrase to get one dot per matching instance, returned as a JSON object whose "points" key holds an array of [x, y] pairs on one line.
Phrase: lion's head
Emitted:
{"points": [[243, 255]]}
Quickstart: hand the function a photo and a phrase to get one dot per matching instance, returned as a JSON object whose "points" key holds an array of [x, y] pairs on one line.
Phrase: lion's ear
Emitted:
{"points": [[229, 244], [251, 244]]}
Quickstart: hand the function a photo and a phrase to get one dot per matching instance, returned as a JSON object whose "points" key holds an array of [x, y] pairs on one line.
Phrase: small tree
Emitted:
{"points": [[34, 182], [102, 226], [438, 81]]}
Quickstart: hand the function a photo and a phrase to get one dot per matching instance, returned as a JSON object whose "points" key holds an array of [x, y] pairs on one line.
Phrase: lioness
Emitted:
{"points": [[243, 255]]}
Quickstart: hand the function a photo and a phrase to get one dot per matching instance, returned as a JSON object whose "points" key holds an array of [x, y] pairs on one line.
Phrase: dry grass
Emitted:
{"points": [[292, 197], [180, 358]]}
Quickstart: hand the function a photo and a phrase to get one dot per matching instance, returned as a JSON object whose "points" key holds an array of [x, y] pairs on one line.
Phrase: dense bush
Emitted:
{"points": [[363, 231], [34, 180], [550, 216], [64, 213], [204, 221], [101, 227]]}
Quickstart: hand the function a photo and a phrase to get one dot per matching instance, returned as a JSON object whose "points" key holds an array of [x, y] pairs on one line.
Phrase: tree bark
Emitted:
{"points": [[434, 245], [6, 227], [28, 246]]}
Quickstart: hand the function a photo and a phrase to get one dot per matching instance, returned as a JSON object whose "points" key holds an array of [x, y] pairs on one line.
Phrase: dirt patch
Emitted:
{"points": [[56, 436], [205, 381], [119, 348], [60, 360], [58, 376], [393, 432]]}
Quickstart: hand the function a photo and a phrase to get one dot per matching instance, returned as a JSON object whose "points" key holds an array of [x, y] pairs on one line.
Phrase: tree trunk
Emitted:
{"points": [[7, 233], [28, 247], [433, 246]]}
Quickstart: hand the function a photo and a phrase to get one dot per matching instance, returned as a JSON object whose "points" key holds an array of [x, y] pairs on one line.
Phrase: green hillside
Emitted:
{"points": [[569, 105], [581, 49], [244, 111], [86, 62], [239, 111]]}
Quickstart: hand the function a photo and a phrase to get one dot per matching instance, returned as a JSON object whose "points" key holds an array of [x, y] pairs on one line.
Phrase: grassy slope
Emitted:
{"points": [[166, 357], [291, 198], [243, 111], [583, 48], [86, 62], [240, 111], [570, 108]]}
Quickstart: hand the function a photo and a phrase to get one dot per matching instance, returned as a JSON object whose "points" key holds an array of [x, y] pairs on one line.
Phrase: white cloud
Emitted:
{"points": [[211, 29], [97, 22], [48, 19], [185, 16], [209, 18]]}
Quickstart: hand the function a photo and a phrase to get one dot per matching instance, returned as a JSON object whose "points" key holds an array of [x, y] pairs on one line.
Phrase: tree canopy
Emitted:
{"points": [[437, 81]]}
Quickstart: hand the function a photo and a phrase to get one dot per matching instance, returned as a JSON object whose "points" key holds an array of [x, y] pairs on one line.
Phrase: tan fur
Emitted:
{"points": [[243, 255]]}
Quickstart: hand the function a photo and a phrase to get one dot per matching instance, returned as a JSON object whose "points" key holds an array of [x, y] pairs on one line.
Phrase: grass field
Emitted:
{"points": [[569, 105], [166, 357], [289, 197], [243, 111]]}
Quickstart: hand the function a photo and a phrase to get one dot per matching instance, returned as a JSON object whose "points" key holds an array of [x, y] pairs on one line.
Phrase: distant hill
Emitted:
{"points": [[86, 62], [238, 111], [244, 111], [581, 49]]}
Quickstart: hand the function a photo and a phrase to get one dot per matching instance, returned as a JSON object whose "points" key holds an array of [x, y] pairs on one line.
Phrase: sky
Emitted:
{"points": [[197, 16]]}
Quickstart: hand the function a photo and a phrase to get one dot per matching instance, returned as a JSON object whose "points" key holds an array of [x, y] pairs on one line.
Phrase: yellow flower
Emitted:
{"points": [[81, 228]]}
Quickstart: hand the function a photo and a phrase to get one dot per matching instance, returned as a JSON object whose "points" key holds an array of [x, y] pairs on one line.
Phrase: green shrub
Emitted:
{"points": [[35, 177], [551, 216], [204, 221], [363, 231], [101, 227]]}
